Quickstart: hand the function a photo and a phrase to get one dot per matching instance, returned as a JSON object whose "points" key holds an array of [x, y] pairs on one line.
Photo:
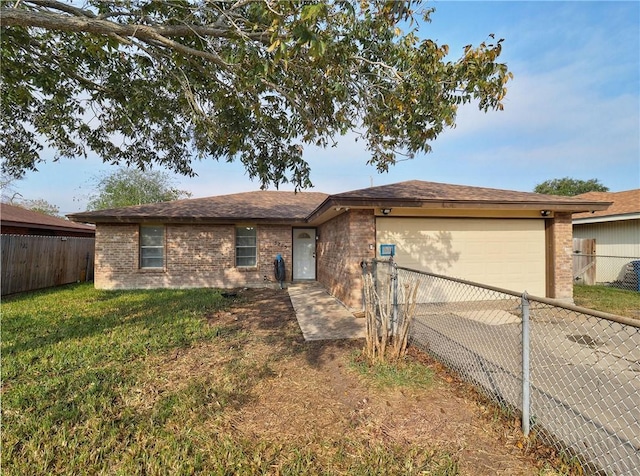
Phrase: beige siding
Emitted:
{"points": [[505, 253], [621, 238]]}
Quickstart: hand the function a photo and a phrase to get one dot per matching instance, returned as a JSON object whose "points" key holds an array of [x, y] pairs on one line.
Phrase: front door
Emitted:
{"points": [[304, 253]]}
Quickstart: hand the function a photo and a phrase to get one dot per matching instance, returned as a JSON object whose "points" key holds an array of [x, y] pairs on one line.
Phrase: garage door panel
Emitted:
{"points": [[508, 253]]}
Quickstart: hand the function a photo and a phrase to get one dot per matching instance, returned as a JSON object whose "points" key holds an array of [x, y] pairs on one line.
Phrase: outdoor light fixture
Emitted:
{"points": [[386, 211], [545, 213]]}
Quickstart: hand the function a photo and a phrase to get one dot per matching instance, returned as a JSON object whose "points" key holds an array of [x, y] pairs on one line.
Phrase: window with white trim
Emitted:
{"points": [[246, 249], [151, 246]]}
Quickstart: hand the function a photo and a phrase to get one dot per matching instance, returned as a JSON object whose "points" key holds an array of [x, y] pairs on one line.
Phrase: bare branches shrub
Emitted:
{"points": [[386, 333]]}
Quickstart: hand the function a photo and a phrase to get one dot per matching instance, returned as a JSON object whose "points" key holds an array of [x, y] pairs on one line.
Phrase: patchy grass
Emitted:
{"points": [[188, 382], [402, 373], [607, 299]]}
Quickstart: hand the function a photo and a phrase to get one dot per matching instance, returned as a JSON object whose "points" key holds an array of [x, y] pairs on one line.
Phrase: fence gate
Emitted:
{"points": [[584, 260]]}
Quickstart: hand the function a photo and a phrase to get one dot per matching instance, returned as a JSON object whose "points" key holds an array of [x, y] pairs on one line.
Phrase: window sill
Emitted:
{"points": [[152, 270], [246, 269]]}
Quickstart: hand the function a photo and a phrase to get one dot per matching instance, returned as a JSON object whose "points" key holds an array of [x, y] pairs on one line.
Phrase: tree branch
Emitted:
{"points": [[152, 34], [391, 69], [63, 7]]}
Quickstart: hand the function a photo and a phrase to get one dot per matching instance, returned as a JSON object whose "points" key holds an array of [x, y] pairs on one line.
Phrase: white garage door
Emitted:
{"points": [[508, 253]]}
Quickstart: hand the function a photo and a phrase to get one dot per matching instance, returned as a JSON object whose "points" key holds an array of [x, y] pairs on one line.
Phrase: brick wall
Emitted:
{"points": [[274, 239], [195, 256], [332, 248], [343, 243], [116, 254], [204, 256], [561, 241]]}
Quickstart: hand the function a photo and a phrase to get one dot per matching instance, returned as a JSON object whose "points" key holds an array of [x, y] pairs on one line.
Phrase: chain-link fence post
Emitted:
{"points": [[393, 270], [374, 274], [573, 373], [526, 383], [363, 265]]}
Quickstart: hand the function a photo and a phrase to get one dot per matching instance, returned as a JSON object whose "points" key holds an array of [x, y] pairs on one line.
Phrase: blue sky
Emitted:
{"points": [[572, 110]]}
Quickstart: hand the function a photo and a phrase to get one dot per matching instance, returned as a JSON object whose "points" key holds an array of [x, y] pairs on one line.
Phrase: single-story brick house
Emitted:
{"points": [[41, 251], [514, 240]]}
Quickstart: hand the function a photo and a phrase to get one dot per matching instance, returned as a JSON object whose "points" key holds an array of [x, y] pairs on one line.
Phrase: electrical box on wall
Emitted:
{"points": [[387, 250]]}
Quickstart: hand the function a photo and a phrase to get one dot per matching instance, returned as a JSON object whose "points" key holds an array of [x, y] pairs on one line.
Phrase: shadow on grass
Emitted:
{"points": [[50, 317]]}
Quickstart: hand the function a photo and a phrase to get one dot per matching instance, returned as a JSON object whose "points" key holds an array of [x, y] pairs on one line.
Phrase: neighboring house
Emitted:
{"points": [[40, 251], [20, 221], [515, 240], [616, 232]]}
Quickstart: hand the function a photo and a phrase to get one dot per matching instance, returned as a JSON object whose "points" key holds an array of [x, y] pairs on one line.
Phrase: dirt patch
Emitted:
{"points": [[308, 393]]}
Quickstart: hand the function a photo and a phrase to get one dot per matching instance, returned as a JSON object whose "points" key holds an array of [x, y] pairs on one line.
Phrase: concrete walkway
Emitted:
{"points": [[321, 316]]}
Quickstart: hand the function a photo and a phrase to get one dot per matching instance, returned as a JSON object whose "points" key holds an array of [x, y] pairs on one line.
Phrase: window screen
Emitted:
{"points": [[246, 246], [151, 246]]}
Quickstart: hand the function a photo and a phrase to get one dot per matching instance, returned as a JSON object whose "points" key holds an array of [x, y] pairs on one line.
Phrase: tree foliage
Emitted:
{"points": [[569, 187], [40, 205], [126, 187], [144, 82]]}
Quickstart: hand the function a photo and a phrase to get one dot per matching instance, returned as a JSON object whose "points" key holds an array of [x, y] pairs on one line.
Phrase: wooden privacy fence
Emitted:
{"points": [[35, 262]]}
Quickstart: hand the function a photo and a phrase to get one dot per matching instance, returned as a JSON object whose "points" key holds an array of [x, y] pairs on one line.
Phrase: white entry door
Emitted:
{"points": [[304, 253]]}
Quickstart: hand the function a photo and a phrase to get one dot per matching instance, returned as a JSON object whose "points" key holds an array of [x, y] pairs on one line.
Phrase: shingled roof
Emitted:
{"points": [[625, 204], [418, 193], [264, 205], [13, 216], [301, 207], [421, 191]]}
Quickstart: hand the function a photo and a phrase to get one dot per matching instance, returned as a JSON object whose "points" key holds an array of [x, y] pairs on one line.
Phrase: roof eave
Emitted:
{"points": [[555, 206], [23, 224], [606, 218], [188, 220]]}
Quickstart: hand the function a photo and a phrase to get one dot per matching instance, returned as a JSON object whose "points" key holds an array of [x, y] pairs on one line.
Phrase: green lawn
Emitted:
{"points": [[71, 358], [607, 299], [92, 384]]}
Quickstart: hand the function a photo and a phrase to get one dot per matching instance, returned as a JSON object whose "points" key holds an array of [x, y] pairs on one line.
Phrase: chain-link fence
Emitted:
{"points": [[573, 373], [616, 271]]}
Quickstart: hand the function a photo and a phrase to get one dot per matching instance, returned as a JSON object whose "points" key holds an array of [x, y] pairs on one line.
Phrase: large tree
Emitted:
{"points": [[141, 82], [569, 187], [125, 187]]}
